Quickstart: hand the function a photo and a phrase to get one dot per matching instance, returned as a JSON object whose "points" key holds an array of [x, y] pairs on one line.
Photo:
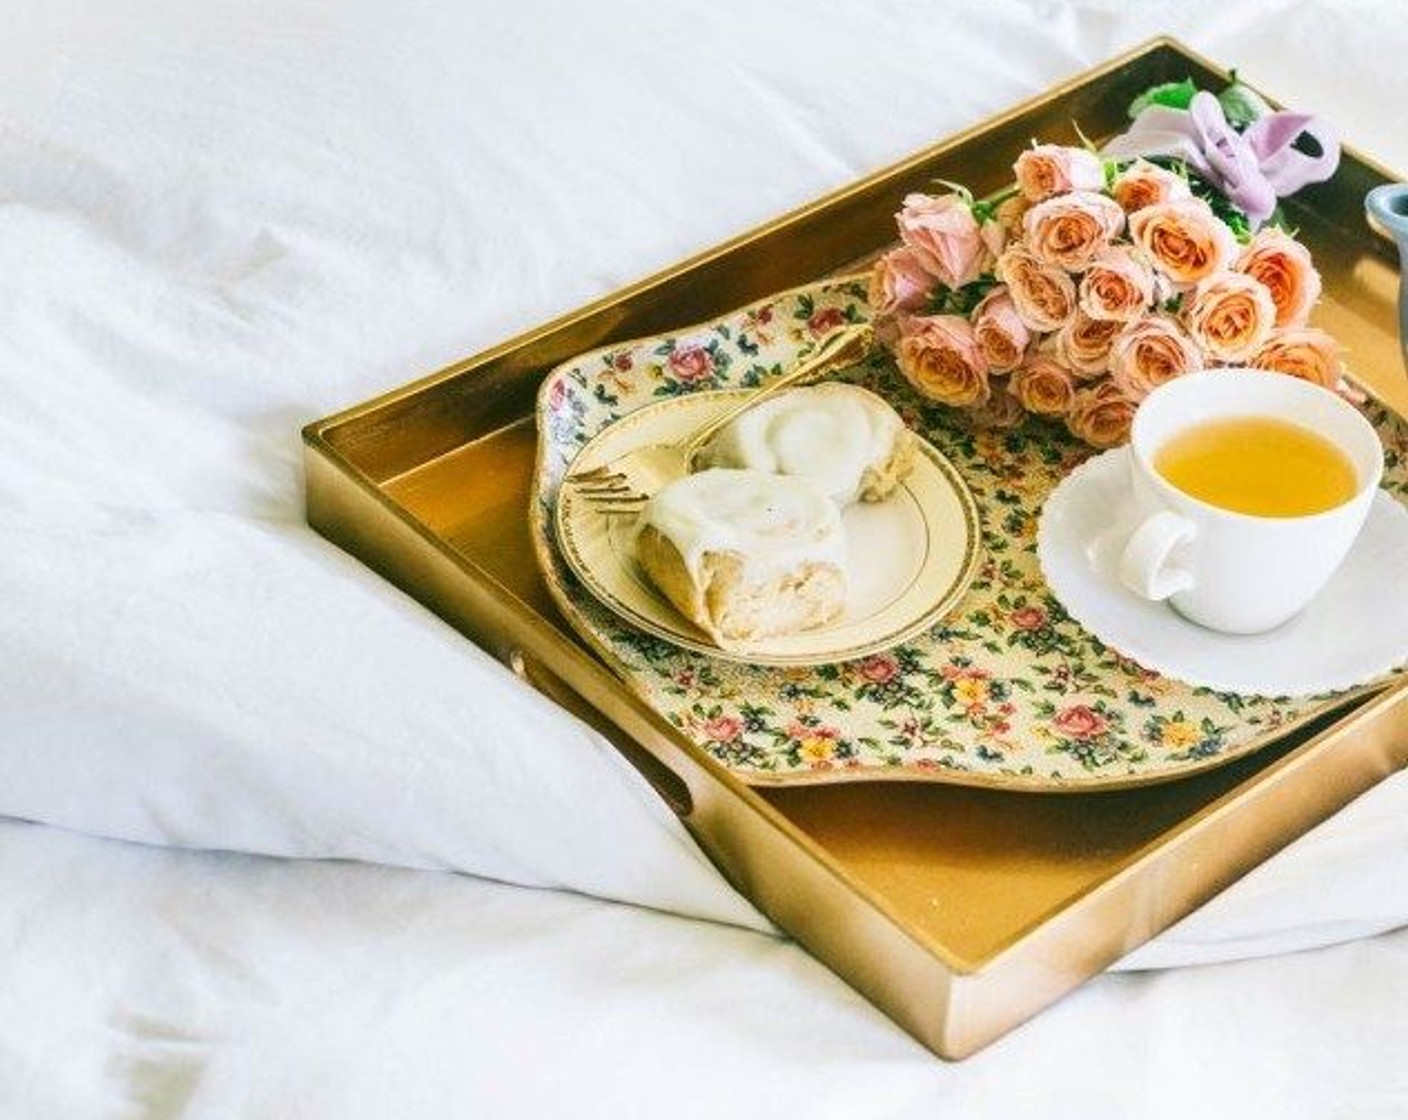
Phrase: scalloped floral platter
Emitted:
{"points": [[920, 544], [1005, 691]]}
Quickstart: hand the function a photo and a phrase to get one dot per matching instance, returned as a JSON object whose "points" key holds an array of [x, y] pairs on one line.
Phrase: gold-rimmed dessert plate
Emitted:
{"points": [[910, 557]]}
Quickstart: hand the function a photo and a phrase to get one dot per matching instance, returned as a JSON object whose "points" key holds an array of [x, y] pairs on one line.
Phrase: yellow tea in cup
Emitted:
{"points": [[1258, 465]]}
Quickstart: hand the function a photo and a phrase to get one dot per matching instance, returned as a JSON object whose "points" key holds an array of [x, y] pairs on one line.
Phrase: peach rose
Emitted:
{"points": [[1184, 239], [942, 358], [994, 235], [1043, 386], [1070, 230], [1283, 266], [1010, 213], [1001, 410], [1144, 184], [1229, 315], [944, 236], [1050, 169], [1305, 352], [1117, 285], [1150, 352], [898, 282], [1101, 415], [1083, 344], [1044, 296], [1000, 330]]}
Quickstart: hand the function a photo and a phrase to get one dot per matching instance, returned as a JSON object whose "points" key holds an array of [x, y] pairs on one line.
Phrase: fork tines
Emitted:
{"points": [[599, 483], [607, 491]]}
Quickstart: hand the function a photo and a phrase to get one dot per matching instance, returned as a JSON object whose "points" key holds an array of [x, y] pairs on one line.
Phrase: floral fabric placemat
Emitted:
{"points": [[1006, 692]]}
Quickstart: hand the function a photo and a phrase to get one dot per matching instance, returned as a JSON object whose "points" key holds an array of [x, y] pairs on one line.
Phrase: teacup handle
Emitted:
{"points": [[1144, 565]]}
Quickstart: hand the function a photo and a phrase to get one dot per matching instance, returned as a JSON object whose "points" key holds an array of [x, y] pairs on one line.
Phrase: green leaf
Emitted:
{"points": [[1241, 104], [1172, 95]]}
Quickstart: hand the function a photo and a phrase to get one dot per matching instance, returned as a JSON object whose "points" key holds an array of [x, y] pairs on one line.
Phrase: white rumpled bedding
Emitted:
{"points": [[220, 221]]}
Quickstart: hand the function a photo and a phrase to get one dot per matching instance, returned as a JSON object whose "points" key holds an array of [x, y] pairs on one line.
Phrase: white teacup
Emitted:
{"points": [[1231, 571]]}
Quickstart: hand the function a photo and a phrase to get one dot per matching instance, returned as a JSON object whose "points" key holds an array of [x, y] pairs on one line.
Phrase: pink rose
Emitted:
{"points": [[1043, 386], [944, 236], [691, 364], [1071, 230], [879, 668], [1000, 330], [1282, 264], [1083, 344], [1144, 184], [1050, 169], [942, 358], [898, 282], [1101, 415], [1184, 239], [1080, 722], [1150, 352], [1305, 352], [723, 729], [1229, 315], [1044, 296], [1117, 285], [1028, 618]]}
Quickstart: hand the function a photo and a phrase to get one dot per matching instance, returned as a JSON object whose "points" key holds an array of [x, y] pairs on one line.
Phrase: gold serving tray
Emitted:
{"points": [[958, 911]]}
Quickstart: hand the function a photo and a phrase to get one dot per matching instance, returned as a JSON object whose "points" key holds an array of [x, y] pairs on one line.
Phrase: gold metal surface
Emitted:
{"points": [[959, 912]]}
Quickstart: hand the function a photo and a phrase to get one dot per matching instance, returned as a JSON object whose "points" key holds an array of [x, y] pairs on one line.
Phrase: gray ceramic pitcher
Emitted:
{"points": [[1388, 209]]}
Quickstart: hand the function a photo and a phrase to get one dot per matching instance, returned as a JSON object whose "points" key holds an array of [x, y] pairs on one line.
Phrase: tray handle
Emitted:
{"points": [[670, 786]]}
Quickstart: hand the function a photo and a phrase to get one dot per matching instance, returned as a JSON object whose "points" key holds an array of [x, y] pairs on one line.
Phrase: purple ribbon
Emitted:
{"points": [[1252, 168]]}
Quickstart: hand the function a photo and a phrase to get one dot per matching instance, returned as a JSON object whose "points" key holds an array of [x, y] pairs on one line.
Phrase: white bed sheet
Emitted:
{"points": [[155, 984], [220, 221]]}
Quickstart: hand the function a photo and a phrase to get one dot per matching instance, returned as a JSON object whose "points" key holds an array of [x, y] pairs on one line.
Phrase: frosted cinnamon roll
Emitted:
{"points": [[843, 437], [745, 554]]}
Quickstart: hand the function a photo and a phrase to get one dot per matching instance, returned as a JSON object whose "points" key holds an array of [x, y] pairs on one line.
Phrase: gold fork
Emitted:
{"points": [[628, 481]]}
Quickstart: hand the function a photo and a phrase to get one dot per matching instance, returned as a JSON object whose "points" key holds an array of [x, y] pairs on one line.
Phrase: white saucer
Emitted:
{"points": [[1353, 633]]}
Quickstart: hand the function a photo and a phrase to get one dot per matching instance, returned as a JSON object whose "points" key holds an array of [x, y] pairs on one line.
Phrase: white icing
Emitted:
{"points": [[775, 522], [831, 433]]}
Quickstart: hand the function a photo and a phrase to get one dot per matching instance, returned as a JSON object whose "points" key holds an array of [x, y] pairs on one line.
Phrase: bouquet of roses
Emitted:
{"points": [[1100, 276]]}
